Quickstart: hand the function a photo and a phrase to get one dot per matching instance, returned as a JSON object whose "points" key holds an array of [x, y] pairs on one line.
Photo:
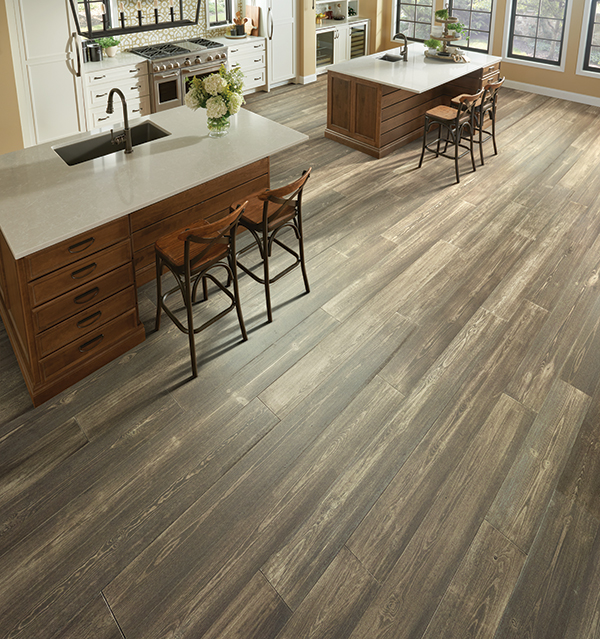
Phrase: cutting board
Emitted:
{"points": [[253, 15]]}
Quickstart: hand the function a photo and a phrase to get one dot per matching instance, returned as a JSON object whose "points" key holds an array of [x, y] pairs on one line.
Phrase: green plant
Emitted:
{"points": [[432, 43], [441, 14], [459, 28], [108, 42]]}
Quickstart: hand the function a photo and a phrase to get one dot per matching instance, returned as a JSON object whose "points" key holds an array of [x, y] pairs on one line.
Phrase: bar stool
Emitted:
{"points": [[486, 107], [455, 124], [267, 214], [190, 254]]}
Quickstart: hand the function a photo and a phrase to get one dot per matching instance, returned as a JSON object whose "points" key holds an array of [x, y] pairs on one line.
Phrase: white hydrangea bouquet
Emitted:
{"points": [[220, 94]]}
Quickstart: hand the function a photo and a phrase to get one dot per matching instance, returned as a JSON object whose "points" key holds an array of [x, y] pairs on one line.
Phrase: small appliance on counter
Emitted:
{"points": [[92, 51]]}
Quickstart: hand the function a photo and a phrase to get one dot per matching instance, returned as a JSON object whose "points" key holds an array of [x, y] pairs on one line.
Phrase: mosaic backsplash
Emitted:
{"points": [[143, 38]]}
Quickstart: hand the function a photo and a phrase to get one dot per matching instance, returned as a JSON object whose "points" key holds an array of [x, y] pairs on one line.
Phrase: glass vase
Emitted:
{"points": [[218, 127]]}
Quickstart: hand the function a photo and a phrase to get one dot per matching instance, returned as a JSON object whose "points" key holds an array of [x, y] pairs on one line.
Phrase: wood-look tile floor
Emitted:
{"points": [[411, 451]]}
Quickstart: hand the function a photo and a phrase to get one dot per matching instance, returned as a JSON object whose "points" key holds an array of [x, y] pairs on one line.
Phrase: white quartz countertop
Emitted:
{"points": [[418, 74], [44, 201]]}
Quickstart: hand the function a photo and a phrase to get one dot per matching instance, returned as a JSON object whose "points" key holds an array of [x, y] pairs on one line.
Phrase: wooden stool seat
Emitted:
{"points": [[442, 112]]}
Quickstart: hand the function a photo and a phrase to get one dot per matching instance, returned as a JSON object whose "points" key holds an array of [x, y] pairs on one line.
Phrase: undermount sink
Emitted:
{"points": [[390, 57], [99, 145]]}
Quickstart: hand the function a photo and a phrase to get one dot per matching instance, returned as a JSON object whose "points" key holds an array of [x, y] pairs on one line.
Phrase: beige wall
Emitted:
{"points": [[567, 80], [10, 123]]}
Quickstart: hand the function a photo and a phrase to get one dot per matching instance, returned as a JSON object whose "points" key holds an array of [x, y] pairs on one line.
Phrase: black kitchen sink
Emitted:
{"points": [[100, 145]]}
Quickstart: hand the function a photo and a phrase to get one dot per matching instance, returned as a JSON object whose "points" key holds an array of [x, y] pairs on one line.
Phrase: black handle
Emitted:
{"points": [[89, 320], [88, 346], [79, 274], [81, 246], [87, 296]]}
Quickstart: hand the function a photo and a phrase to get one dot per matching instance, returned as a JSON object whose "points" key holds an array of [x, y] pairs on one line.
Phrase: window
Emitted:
{"points": [[537, 29], [219, 12], [591, 61], [413, 18], [476, 15], [94, 15]]}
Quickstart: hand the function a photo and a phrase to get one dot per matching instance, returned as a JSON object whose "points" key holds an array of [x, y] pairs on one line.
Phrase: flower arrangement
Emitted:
{"points": [[219, 93]]}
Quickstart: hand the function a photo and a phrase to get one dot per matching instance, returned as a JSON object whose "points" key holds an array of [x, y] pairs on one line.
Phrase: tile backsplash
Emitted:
{"points": [[142, 38]]}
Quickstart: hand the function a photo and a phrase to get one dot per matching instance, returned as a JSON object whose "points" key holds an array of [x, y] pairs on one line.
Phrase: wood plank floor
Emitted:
{"points": [[412, 450]]}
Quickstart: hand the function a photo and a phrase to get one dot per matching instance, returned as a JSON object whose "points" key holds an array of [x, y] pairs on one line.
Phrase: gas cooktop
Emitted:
{"points": [[169, 49]]}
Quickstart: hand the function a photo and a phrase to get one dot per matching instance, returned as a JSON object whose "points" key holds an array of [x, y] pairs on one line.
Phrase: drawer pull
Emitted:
{"points": [[81, 246], [84, 272], [101, 95], [88, 321], [99, 77], [88, 346], [104, 118], [137, 86], [87, 296]]}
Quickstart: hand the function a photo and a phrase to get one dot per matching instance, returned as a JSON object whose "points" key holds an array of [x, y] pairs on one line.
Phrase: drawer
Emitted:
{"points": [[75, 248], [86, 321], [253, 61], [98, 117], [80, 272], [244, 50], [132, 88], [255, 78], [488, 79], [490, 68], [90, 345], [116, 75], [82, 298]]}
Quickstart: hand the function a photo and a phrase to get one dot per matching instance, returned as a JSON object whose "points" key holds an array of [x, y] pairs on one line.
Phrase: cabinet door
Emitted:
{"points": [[282, 40], [49, 63], [341, 44]]}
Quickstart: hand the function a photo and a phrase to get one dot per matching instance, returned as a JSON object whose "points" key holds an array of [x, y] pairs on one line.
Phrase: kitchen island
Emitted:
{"points": [[376, 106], [76, 241]]}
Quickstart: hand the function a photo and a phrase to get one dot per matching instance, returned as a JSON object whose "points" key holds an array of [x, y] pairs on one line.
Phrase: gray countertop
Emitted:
{"points": [[43, 201]]}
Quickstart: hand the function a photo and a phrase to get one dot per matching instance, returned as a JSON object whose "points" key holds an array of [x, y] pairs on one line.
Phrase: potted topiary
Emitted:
{"points": [[441, 14], [432, 44], [458, 29], [109, 45]]}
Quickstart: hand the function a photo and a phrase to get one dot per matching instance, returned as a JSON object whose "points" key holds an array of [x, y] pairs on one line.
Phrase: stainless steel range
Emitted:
{"points": [[173, 64]]}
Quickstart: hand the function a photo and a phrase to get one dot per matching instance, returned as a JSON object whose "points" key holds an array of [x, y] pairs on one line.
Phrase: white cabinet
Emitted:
{"points": [[131, 79], [340, 43], [47, 60], [251, 58], [278, 23]]}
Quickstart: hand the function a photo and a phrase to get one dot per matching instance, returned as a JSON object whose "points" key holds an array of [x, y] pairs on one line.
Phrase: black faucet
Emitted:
{"points": [[126, 135], [403, 51]]}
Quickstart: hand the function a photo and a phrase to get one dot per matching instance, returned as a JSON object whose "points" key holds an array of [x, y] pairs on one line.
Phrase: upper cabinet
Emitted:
{"points": [[96, 18]]}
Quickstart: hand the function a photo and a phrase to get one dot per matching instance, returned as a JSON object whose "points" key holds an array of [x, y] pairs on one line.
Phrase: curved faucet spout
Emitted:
{"points": [[404, 50], [126, 135]]}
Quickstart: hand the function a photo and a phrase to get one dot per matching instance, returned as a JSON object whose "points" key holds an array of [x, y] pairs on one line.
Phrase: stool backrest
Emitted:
{"points": [[211, 234], [491, 93], [288, 197], [468, 104]]}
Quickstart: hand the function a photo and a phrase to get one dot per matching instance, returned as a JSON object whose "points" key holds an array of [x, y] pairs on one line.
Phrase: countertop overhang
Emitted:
{"points": [[418, 74], [43, 201]]}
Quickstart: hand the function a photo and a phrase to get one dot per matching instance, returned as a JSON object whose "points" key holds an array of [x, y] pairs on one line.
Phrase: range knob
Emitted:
{"points": [[176, 65], [156, 68], [223, 56], [187, 62], [169, 65], [198, 61], [209, 58]]}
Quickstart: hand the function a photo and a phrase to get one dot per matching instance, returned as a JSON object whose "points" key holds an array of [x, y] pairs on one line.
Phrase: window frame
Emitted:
{"points": [[535, 62], [396, 21], [490, 33], [230, 9], [585, 43]]}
